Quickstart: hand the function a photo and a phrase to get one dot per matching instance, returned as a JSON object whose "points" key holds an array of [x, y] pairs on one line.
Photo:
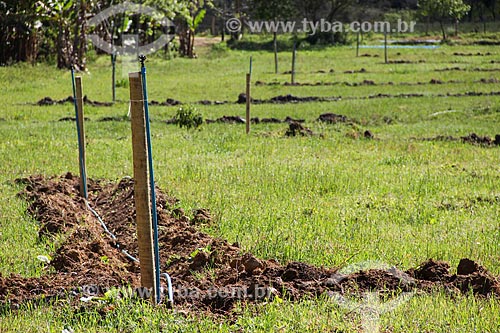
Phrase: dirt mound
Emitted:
{"points": [[72, 119], [231, 120], [459, 69], [432, 271], [283, 99], [168, 102], [370, 83], [472, 138], [332, 118], [362, 70], [49, 101], [400, 61], [296, 129], [470, 277], [479, 54], [255, 120], [208, 274]]}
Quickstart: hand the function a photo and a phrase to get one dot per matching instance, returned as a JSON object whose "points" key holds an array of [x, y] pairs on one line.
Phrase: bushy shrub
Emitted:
{"points": [[188, 116]]}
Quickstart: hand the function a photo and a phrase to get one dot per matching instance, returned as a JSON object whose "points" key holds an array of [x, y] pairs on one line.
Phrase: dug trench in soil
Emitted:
{"points": [[209, 274]]}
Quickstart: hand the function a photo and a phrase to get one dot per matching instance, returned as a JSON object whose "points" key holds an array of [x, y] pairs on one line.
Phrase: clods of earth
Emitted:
{"points": [[209, 275]]}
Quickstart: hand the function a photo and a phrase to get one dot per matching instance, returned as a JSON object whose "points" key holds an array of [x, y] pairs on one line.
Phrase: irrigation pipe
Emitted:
{"points": [[170, 289], [154, 214], [110, 234], [129, 256]]}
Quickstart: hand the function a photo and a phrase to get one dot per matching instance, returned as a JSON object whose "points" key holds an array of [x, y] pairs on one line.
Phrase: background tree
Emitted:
{"points": [[310, 9], [482, 11], [19, 31], [443, 11], [188, 18], [335, 7]]}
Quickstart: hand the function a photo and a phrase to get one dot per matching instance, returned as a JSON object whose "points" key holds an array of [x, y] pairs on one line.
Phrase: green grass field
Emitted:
{"points": [[331, 200]]}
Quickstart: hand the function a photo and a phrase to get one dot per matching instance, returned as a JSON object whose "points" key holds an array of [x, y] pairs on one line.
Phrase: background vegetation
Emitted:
{"points": [[56, 30]]}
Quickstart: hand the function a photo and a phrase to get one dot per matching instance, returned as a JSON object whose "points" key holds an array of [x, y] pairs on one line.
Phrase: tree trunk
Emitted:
{"points": [[443, 30], [60, 47], [191, 43], [79, 44]]}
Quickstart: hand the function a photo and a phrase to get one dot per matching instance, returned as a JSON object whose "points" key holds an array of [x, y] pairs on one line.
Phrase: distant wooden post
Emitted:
{"points": [[142, 190], [385, 48], [357, 44], [81, 137], [275, 44], [249, 102], [113, 76], [294, 58]]}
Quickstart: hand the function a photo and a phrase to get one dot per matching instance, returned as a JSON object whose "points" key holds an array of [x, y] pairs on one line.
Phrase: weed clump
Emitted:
{"points": [[188, 117]]}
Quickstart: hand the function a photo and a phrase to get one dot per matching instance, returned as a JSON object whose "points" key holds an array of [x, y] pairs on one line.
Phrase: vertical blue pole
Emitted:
{"points": [[151, 181], [79, 132]]}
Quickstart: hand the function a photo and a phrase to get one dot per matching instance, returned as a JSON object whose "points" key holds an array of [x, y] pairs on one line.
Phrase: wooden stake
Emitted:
{"points": [[142, 190], [357, 44], [113, 76], [294, 58], [275, 43], [249, 102], [81, 138], [385, 48]]}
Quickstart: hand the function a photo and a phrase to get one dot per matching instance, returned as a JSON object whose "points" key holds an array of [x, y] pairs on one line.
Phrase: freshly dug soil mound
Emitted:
{"points": [[332, 118], [296, 129], [49, 101], [208, 274], [473, 138]]}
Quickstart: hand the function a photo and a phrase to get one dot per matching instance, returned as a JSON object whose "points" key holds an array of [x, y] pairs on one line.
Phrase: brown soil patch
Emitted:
{"points": [[296, 129], [459, 69], [472, 138], [478, 54], [208, 274], [332, 118], [49, 101]]}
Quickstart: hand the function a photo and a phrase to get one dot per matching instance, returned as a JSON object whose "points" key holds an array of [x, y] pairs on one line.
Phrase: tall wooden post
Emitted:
{"points": [[275, 44], [113, 76], [141, 185], [357, 44], [81, 136], [385, 48], [294, 58], [249, 102]]}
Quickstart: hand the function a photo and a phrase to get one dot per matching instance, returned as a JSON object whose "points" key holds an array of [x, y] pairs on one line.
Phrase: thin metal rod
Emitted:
{"points": [[151, 181]]}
